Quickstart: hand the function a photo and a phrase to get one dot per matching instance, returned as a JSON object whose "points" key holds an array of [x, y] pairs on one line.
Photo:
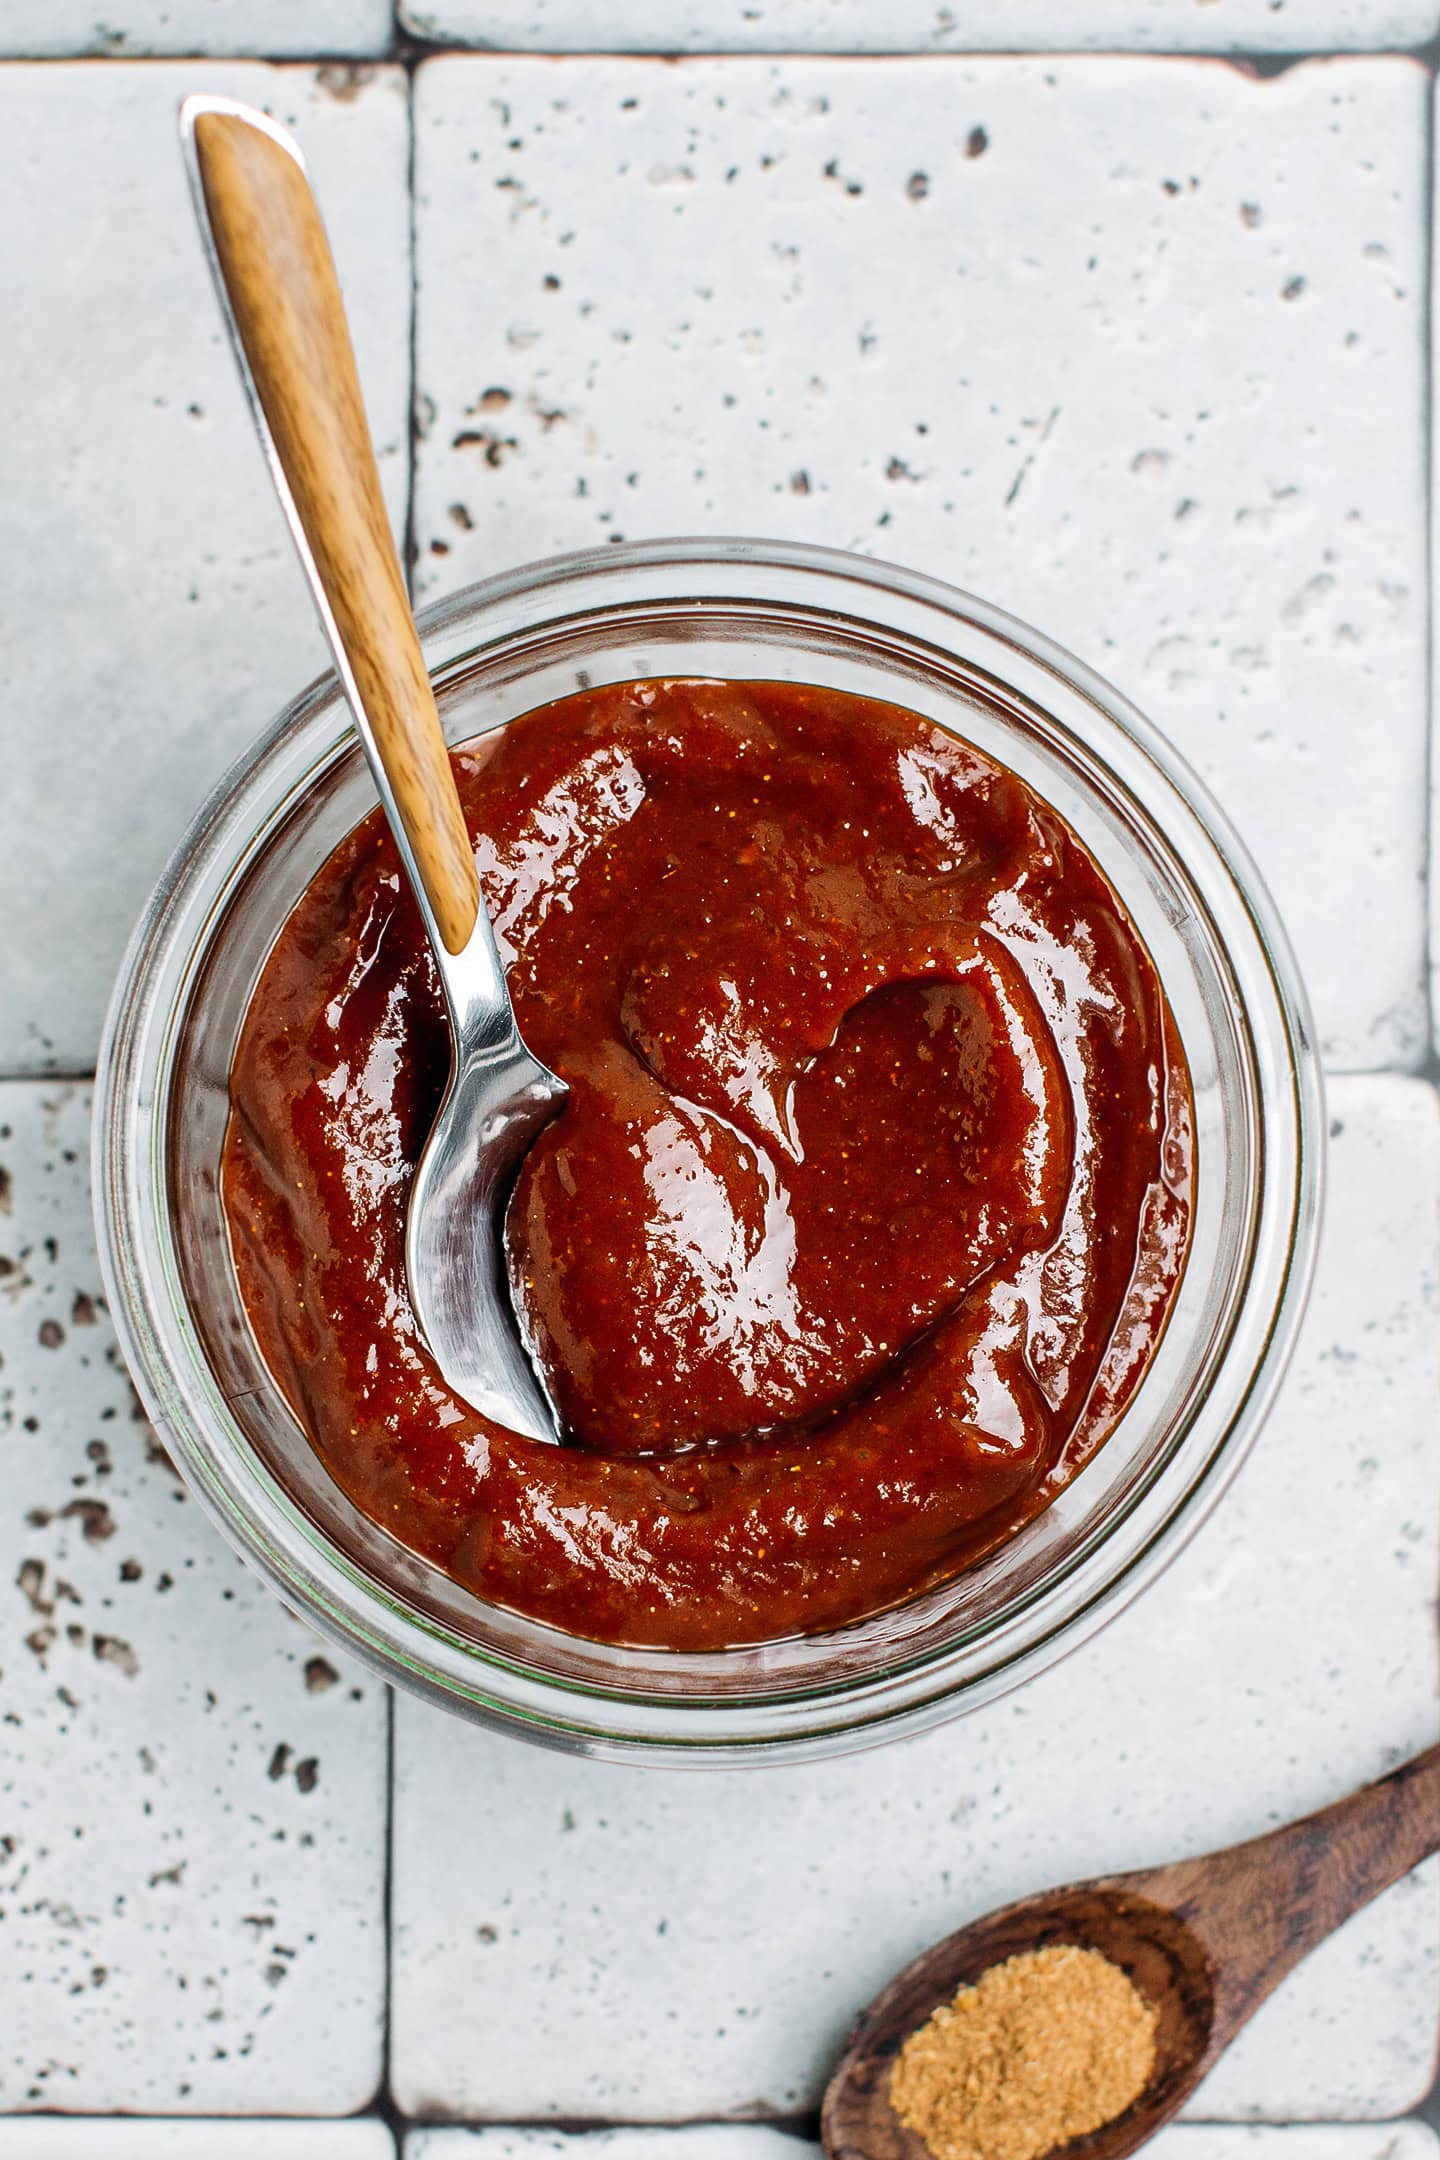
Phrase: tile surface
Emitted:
{"points": [[579, 1940], [140, 2140], [877, 26], [1385, 2141], [156, 618], [847, 302], [192, 1787], [128, 29], [1134, 347]]}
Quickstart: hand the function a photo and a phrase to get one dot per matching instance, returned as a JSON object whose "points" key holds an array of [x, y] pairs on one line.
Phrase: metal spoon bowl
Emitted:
{"points": [[496, 1100], [281, 301]]}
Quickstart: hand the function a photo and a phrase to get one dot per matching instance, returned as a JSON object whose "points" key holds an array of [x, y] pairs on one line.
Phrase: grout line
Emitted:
{"points": [[385, 2100], [411, 429], [1428, 2109], [387, 56], [578, 2127], [1427, 452], [65, 1077], [409, 53]]}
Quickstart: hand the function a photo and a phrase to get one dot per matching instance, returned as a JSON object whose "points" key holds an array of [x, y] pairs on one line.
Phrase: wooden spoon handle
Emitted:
{"points": [[1263, 1906], [276, 267]]}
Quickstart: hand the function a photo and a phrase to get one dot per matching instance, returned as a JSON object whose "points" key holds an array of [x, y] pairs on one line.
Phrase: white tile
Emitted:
{"points": [[155, 617], [138, 2139], [736, 2141], [586, 1941], [877, 26], [192, 1787], [130, 29], [1147, 369]]}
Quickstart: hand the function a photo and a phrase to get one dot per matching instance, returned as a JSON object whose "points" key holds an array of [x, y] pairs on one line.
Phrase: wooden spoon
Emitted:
{"points": [[1204, 1941]]}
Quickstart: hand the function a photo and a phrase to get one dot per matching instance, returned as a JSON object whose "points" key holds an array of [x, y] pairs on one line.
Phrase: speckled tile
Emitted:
{"points": [[1385, 2141], [587, 1941], [880, 26], [141, 2140], [1132, 347], [192, 1787], [130, 29], [155, 615]]}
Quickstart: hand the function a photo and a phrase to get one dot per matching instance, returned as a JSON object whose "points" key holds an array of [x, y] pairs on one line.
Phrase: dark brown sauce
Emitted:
{"points": [[863, 1216]]}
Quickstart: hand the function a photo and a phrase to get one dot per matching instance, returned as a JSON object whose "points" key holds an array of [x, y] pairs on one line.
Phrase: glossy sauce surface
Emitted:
{"points": [[863, 1215]]}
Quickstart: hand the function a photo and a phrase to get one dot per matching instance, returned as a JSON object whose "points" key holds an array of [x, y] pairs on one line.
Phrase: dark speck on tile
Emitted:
{"points": [[31, 1584], [977, 142], [110, 1650], [494, 446], [344, 80], [94, 1517]]}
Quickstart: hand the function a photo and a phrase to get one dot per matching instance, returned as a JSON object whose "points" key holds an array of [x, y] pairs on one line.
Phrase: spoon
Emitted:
{"points": [[281, 301], [1204, 1942]]}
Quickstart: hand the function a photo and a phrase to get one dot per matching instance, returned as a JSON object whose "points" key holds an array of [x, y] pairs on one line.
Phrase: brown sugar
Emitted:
{"points": [[1044, 2048]]}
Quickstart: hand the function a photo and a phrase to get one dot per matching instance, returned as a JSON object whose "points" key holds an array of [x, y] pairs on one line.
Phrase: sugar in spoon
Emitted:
{"points": [[281, 301], [1204, 1942]]}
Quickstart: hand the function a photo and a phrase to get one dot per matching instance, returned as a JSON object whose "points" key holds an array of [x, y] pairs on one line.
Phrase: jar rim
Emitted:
{"points": [[849, 596]]}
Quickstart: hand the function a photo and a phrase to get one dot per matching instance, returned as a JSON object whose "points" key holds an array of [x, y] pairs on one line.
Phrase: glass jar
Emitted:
{"points": [[729, 609]]}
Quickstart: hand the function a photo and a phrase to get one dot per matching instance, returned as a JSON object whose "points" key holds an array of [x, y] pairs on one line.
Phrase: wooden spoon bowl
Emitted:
{"points": [[1204, 1942]]}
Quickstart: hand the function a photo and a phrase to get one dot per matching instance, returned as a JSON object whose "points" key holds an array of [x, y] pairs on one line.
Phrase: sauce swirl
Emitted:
{"points": [[863, 1216]]}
